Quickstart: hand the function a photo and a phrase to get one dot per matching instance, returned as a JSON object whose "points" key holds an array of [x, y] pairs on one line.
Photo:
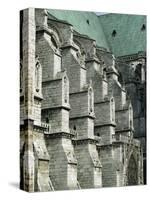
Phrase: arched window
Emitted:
{"points": [[65, 90], [90, 100], [37, 74], [112, 110], [132, 172]]}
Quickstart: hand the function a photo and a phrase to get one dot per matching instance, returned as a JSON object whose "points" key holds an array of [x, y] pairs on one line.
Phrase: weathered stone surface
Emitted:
{"points": [[78, 118]]}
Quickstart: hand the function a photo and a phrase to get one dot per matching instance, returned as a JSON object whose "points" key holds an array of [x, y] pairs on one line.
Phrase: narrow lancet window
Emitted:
{"points": [[37, 74], [65, 90], [91, 100]]}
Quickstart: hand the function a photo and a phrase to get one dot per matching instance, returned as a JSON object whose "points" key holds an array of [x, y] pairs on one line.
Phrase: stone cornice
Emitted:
{"points": [[83, 36], [132, 56], [124, 130], [92, 60], [79, 92], [101, 102], [84, 116], [103, 125], [59, 135], [84, 141], [59, 21], [57, 107], [68, 46], [50, 80], [39, 98]]}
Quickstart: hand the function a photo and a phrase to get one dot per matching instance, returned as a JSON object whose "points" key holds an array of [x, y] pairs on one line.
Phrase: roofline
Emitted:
{"points": [[58, 20], [122, 14]]}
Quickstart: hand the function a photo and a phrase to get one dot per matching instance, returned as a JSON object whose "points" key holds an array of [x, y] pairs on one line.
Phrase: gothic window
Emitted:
{"points": [[131, 122], [21, 77], [37, 75], [112, 110], [90, 100], [130, 117], [74, 127], [132, 172], [65, 90]]}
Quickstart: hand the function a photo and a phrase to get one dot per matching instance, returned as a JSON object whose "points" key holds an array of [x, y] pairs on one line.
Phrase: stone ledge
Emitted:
{"points": [[79, 117], [57, 107], [84, 141], [39, 98], [59, 135], [103, 125]]}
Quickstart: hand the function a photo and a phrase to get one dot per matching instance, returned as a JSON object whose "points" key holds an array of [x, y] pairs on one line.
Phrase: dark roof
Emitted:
{"points": [[86, 23], [123, 34], [126, 34]]}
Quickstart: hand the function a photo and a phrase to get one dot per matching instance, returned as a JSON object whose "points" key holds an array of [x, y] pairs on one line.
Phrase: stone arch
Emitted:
{"points": [[80, 46], [56, 33], [132, 171], [81, 51]]}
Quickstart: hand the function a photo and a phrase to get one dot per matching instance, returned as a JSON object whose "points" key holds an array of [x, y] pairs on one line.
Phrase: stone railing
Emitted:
{"points": [[46, 126], [125, 139]]}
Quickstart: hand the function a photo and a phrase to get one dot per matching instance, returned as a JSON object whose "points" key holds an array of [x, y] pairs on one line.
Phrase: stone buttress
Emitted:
{"points": [[133, 69], [81, 118], [78, 124], [55, 106], [126, 150], [34, 160], [104, 106]]}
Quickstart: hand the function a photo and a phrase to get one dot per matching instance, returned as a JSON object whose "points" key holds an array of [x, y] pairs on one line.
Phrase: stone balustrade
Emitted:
{"points": [[125, 139], [46, 126]]}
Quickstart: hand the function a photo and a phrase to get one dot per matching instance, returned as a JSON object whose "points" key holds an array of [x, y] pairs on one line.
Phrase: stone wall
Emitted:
{"points": [[80, 121]]}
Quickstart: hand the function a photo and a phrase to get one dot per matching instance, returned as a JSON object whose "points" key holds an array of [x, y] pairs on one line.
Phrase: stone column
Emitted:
{"points": [[28, 59], [28, 70]]}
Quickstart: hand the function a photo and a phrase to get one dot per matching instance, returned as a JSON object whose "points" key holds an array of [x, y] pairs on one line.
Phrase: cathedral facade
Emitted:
{"points": [[82, 104]]}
